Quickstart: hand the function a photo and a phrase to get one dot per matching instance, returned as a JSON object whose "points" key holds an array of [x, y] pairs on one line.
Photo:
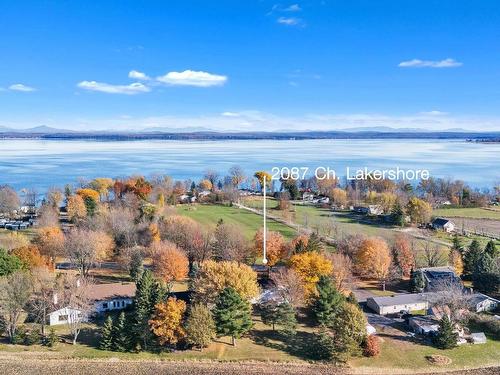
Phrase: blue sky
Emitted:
{"points": [[250, 65]]}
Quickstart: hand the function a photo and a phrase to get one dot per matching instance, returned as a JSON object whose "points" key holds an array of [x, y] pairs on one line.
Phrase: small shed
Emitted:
{"points": [[443, 224], [478, 338]]}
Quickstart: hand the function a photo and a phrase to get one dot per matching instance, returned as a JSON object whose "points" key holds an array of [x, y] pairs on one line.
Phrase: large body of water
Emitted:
{"points": [[44, 163]]}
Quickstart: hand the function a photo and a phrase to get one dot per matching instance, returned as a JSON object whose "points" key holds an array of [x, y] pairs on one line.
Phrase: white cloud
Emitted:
{"points": [[21, 87], [293, 8], [230, 114], [290, 21], [134, 74], [416, 63], [434, 113], [132, 89], [192, 78]]}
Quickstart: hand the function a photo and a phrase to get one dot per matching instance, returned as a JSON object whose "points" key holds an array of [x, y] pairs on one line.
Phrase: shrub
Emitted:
{"points": [[32, 337], [371, 346], [52, 338]]}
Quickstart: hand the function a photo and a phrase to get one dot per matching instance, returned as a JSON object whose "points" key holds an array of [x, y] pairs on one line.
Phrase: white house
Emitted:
{"points": [[105, 297], [481, 302], [398, 303]]}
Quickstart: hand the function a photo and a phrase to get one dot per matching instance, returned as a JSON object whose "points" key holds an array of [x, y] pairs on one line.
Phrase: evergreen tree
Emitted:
{"points": [[457, 244], [281, 314], [200, 326], [351, 298], [491, 249], [486, 274], [106, 342], [232, 314], [327, 302], [147, 295], [446, 337], [417, 282], [314, 243], [120, 336], [471, 257], [398, 215], [90, 205], [136, 267]]}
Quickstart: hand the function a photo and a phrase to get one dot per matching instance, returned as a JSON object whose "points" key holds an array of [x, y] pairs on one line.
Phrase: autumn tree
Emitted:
{"points": [[48, 216], [212, 277], [212, 176], [167, 319], [261, 176], [30, 257], [338, 196], [12, 240], [419, 210], [374, 259], [310, 266], [205, 185], [169, 263], [237, 175], [275, 246], [200, 326], [455, 260], [342, 271], [50, 242], [102, 185], [76, 208], [403, 256], [232, 314], [85, 248]]}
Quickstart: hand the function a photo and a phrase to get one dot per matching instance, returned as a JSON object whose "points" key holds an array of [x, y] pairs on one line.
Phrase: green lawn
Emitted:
{"points": [[209, 215], [473, 213]]}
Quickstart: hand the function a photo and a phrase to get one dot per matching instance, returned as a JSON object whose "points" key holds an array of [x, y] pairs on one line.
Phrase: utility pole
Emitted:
{"points": [[264, 258]]}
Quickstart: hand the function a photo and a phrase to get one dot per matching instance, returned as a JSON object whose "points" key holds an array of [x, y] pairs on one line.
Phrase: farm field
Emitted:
{"points": [[474, 213]]}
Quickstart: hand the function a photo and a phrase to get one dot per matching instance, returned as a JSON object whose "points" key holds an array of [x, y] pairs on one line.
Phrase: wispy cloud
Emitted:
{"points": [[290, 21], [134, 74], [230, 114], [417, 63], [21, 87], [293, 8], [132, 89], [434, 113], [192, 78]]}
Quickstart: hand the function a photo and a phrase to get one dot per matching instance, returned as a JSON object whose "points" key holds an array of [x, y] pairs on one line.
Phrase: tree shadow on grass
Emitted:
{"points": [[299, 345]]}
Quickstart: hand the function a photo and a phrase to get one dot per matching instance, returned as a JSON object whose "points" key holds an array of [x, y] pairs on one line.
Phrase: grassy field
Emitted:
{"points": [[399, 352], [209, 215], [474, 213]]}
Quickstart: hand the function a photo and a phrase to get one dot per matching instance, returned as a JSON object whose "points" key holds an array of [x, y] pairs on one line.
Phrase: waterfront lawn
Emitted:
{"points": [[209, 215]]}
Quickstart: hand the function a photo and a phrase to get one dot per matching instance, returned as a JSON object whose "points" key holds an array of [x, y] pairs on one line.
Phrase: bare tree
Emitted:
{"points": [[84, 248], [229, 243], [9, 200], [48, 216], [75, 295], [15, 293], [452, 299], [42, 301], [289, 285], [212, 176], [237, 175], [342, 270], [433, 256]]}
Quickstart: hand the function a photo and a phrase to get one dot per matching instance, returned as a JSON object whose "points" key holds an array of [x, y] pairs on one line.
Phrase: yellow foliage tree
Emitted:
{"points": [[205, 185], [166, 323], [102, 185], [455, 260], [310, 266], [420, 211], [76, 208], [89, 193], [30, 257], [260, 175], [338, 196], [373, 259], [212, 277]]}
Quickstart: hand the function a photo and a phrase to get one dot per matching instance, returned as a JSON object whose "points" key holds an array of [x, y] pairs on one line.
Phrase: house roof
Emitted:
{"points": [[440, 221], [401, 299], [479, 297], [101, 292]]}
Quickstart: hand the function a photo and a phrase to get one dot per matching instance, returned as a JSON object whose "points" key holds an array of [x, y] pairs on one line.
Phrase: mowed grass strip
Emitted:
{"points": [[209, 215]]}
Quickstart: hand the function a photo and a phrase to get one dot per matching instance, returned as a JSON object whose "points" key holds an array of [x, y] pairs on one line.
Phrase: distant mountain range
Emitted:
{"points": [[43, 129], [199, 133]]}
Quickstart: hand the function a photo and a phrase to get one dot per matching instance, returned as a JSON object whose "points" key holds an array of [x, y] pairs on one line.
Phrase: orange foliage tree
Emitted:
{"points": [[169, 262], [276, 248], [403, 254], [373, 259], [310, 266], [30, 257], [166, 323]]}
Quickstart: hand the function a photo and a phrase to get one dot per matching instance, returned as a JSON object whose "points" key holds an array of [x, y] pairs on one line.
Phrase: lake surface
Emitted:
{"points": [[44, 163]]}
